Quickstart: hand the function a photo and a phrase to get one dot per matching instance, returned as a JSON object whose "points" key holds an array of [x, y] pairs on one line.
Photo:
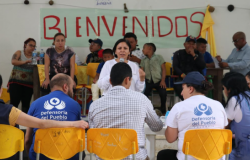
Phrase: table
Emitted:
{"points": [[39, 76], [217, 74], [150, 140]]}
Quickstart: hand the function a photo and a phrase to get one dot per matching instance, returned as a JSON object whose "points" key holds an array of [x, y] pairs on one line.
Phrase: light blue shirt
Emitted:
{"points": [[239, 60]]}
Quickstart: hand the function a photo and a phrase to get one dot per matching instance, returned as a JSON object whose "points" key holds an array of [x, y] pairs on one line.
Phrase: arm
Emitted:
{"points": [[46, 70], [15, 59], [103, 82], [72, 66], [200, 62], [163, 76], [134, 59], [33, 122], [140, 83], [244, 63], [28, 139], [176, 62], [96, 78], [171, 134], [210, 65], [153, 121]]}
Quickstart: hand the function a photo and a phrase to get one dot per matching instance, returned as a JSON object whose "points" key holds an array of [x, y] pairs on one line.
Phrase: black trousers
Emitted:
{"points": [[20, 93], [161, 91], [178, 88], [167, 154]]}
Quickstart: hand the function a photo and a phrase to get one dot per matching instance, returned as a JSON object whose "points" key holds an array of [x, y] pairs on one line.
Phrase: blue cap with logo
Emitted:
{"points": [[190, 38], [97, 40], [193, 78]]}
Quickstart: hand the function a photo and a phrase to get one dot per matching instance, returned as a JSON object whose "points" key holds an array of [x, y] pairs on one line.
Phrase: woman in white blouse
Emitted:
{"points": [[121, 50]]}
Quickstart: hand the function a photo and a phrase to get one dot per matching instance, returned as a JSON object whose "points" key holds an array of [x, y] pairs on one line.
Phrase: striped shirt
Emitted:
{"points": [[125, 108]]}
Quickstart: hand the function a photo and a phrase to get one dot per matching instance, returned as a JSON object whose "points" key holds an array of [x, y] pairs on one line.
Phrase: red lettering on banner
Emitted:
{"points": [[98, 26], [65, 27], [159, 27], [50, 28], [153, 29], [197, 21], [107, 27], [146, 21], [78, 27], [176, 26], [124, 25]]}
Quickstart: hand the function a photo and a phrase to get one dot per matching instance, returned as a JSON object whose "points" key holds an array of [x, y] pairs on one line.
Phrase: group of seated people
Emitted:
{"points": [[123, 104]]}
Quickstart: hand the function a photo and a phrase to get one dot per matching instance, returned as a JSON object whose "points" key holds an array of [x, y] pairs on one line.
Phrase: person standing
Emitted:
{"points": [[21, 79]]}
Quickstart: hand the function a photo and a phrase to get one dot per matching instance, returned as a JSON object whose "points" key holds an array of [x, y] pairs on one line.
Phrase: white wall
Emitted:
{"points": [[19, 22]]}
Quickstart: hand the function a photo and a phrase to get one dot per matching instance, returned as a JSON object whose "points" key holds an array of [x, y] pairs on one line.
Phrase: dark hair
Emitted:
{"points": [[58, 34], [1, 81], [151, 45], [204, 88], [107, 51], [248, 74], [120, 41], [237, 85], [201, 40], [60, 80], [27, 41], [129, 35], [119, 72]]}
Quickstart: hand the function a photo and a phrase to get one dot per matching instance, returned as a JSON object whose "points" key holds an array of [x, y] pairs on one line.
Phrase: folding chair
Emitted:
{"points": [[59, 143], [112, 143], [5, 95], [207, 144], [11, 141]]}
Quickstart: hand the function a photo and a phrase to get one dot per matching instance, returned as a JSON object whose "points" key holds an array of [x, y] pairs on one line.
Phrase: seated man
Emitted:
{"points": [[196, 112], [58, 105], [95, 48], [124, 108], [239, 59], [201, 46], [187, 60], [10, 115]]}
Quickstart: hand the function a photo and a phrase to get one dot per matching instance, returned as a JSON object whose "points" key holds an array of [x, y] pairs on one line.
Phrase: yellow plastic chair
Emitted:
{"points": [[59, 143], [41, 73], [91, 72], [5, 95], [112, 143], [207, 144], [11, 141]]}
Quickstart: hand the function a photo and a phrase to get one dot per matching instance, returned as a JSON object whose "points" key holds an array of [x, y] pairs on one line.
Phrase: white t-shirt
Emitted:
{"points": [[138, 53], [104, 84], [233, 112], [196, 112]]}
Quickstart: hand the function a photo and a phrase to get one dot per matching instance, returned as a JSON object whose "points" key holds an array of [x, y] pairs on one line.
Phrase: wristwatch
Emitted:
{"points": [[196, 56]]}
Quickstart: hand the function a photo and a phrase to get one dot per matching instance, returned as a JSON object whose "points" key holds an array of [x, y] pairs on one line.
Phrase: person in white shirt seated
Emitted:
{"points": [[121, 50], [122, 107], [195, 112], [238, 113]]}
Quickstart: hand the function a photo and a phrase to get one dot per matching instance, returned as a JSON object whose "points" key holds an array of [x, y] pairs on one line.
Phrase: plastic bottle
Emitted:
{"points": [[41, 57], [166, 115], [34, 60]]}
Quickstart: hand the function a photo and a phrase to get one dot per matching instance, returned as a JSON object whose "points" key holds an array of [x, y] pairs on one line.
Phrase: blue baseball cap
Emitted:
{"points": [[97, 40], [191, 38], [193, 78]]}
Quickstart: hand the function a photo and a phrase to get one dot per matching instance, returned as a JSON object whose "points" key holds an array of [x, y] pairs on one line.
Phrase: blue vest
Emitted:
{"points": [[242, 133]]}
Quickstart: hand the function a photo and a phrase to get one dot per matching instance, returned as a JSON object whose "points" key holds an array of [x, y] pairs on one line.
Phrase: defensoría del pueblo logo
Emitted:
{"points": [[203, 108], [54, 102]]}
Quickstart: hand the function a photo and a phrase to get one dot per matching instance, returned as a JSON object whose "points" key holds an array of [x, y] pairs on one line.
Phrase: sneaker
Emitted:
{"points": [[158, 112]]}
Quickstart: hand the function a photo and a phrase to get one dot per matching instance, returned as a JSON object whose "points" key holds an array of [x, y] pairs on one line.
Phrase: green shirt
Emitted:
{"points": [[152, 67]]}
